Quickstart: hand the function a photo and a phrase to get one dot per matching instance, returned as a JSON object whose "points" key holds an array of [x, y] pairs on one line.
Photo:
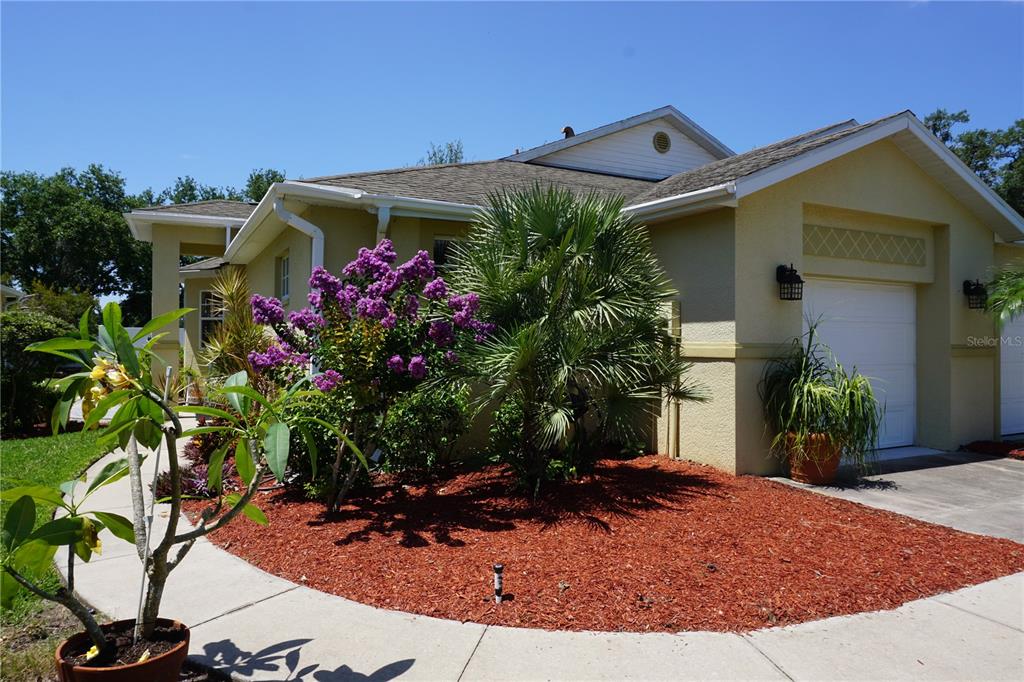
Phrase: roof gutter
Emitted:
{"points": [[306, 227], [691, 202], [384, 206]]}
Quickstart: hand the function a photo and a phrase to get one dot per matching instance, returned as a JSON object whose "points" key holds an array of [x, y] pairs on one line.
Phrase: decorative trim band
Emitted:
{"points": [[877, 247]]}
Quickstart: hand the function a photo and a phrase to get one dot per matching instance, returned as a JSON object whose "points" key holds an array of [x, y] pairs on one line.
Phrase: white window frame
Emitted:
{"points": [[451, 239], [283, 273], [203, 317]]}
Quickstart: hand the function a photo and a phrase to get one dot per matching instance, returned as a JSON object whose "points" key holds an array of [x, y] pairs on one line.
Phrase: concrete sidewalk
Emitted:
{"points": [[260, 627]]}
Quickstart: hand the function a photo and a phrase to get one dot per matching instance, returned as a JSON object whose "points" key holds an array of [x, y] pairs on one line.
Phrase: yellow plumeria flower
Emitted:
{"points": [[97, 373], [93, 652]]}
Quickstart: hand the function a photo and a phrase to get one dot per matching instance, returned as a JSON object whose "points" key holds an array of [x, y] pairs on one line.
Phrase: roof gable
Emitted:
{"points": [[626, 147], [732, 179]]}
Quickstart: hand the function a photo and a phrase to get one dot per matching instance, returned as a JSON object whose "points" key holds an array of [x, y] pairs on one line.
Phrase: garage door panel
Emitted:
{"points": [[872, 327], [1011, 380]]}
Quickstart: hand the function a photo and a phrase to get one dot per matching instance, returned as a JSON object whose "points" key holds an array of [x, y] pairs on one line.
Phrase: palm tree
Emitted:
{"points": [[1006, 294], [582, 345]]}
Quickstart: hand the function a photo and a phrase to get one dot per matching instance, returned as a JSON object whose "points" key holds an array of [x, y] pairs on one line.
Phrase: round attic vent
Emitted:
{"points": [[662, 142]]}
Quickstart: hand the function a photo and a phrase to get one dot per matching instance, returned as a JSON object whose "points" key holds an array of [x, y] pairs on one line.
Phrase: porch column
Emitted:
{"points": [[166, 250]]}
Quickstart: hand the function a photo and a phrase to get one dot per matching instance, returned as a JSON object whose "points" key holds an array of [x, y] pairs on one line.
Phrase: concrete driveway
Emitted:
{"points": [[974, 493]]}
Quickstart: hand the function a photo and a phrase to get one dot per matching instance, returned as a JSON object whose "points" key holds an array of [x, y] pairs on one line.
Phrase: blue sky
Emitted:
{"points": [[158, 90]]}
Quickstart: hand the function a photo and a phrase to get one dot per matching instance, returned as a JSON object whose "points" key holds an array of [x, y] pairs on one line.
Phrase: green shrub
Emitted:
{"points": [[24, 399], [423, 427], [67, 305]]}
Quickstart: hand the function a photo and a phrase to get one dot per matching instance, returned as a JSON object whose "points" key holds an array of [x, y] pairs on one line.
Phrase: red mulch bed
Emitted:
{"points": [[648, 544], [1000, 449]]}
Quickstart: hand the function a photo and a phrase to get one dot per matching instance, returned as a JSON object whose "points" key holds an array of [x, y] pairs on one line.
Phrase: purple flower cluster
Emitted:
{"points": [[441, 332], [436, 289], [372, 264], [417, 366], [327, 381], [277, 355], [306, 320], [266, 310], [419, 268]]}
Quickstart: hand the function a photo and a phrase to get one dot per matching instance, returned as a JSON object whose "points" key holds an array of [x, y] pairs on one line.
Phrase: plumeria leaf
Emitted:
{"points": [[243, 461], [66, 530], [239, 402], [111, 472], [276, 445], [118, 525], [311, 447], [216, 469], [40, 493], [207, 411], [250, 510], [161, 321], [19, 521]]}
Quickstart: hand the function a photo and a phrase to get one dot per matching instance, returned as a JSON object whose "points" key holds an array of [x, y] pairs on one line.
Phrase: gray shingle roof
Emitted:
{"points": [[220, 208], [735, 167], [470, 183], [203, 265]]}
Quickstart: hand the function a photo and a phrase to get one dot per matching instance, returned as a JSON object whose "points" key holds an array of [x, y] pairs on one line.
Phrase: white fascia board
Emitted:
{"points": [[681, 204], [702, 137], [140, 223], [755, 182], [346, 196]]}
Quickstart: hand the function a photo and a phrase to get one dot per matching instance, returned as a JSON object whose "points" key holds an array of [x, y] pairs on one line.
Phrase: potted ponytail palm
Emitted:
{"points": [[117, 374], [819, 413]]}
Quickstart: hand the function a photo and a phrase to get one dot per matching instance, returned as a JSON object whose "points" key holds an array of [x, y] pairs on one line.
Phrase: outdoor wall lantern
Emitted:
{"points": [[791, 284], [976, 294]]}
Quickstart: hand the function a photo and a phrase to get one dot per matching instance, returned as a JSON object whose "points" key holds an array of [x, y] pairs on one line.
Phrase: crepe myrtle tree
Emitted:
{"points": [[376, 332], [117, 373]]}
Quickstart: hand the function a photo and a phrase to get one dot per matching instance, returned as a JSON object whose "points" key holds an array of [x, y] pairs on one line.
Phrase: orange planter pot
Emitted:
{"points": [[165, 667], [821, 463]]}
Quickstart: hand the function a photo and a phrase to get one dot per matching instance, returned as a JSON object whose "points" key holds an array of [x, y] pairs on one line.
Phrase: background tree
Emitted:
{"points": [[260, 180], [449, 152], [997, 156], [67, 228], [187, 190]]}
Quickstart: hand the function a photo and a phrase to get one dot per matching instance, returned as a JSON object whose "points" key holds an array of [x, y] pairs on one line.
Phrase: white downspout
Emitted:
{"points": [[306, 227], [383, 218]]}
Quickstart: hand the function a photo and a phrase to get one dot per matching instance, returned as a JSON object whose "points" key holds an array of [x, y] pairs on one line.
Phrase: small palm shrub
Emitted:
{"points": [[233, 340], [1006, 294], [582, 352], [808, 394]]}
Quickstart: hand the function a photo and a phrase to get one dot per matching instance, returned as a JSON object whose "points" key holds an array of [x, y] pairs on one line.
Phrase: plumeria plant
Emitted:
{"points": [[117, 374], [375, 332]]}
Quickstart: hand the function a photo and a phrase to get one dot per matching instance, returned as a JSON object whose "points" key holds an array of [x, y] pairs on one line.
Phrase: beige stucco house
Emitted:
{"points": [[882, 222]]}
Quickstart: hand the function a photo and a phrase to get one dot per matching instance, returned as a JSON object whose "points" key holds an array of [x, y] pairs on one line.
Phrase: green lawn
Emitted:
{"points": [[48, 461]]}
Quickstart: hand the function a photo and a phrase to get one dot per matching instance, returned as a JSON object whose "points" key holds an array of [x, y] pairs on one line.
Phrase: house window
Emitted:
{"points": [[443, 251], [211, 314], [283, 287]]}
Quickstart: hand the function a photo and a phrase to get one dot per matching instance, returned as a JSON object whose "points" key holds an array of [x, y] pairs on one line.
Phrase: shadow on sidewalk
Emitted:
{"points": [[284, 658]]}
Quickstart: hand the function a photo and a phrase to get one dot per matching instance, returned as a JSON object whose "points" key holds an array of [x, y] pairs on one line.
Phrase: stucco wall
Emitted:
{"points": [[697, 252], [876, 185], [262, 270]]}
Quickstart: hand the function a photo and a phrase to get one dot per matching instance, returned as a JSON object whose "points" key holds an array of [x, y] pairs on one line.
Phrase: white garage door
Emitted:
{"points": [[872, 327], [1011, 381]]}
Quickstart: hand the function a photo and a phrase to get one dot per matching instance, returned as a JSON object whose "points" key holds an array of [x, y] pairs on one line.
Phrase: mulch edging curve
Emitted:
{"points": [[645, 545]]}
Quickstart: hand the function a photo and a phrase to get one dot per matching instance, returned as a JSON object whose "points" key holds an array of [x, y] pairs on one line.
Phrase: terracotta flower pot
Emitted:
{"points": [[165, 667], [820, 463]]}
